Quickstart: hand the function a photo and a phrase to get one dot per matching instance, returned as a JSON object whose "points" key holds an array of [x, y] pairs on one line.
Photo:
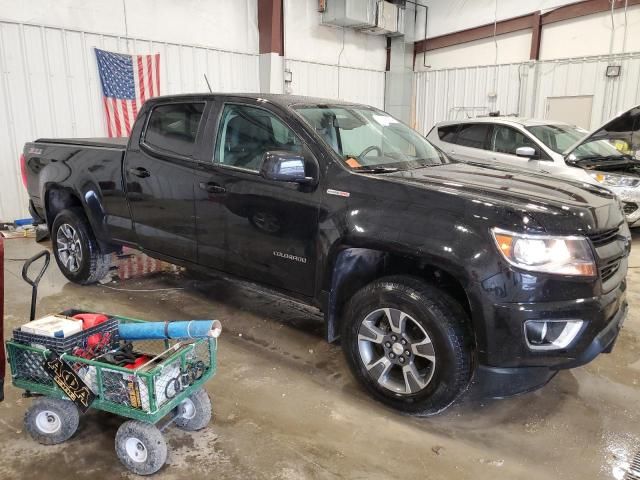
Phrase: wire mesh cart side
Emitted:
{"points": [[146, 394]]}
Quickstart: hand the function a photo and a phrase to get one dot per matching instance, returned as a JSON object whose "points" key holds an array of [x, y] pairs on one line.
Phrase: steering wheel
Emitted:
{"points": [[370, 149]]}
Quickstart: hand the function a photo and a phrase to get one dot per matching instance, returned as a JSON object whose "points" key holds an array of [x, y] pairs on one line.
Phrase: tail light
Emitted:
{"points": [[23, 169]]}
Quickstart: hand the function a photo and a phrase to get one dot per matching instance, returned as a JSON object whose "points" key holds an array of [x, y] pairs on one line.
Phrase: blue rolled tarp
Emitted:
{"points": [[169, 330]]}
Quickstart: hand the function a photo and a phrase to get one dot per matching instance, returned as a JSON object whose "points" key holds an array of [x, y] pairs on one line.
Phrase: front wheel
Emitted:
{"points": [[76, 250], [50, 421], [141, 447], [407, 344]]}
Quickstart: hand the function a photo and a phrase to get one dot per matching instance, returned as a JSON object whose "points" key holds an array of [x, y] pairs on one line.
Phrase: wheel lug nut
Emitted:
{"points": [[394, 338], [403, 341], [388, 344], [407, 353], [401, 359], [392, 355]]}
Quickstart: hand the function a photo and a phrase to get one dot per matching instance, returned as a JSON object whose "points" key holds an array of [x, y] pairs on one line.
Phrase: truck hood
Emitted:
{"points": [[538, 195], [603, 149]]}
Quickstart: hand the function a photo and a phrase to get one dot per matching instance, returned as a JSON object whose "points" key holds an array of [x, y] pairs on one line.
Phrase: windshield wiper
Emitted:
{"points": [[375, 169], [592, 158]]}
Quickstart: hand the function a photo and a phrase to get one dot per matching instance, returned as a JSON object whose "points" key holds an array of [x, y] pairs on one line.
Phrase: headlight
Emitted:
{"points": [[612, 180], [561, 255]]}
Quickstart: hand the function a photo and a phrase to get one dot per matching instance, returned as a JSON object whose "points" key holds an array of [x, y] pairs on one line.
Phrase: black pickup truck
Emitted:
{"points": [[429, 271]]}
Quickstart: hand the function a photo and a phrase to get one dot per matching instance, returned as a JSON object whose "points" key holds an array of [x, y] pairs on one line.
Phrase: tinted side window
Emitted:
{"points": [[247, 133], [447, 133], [508, 140], [174, 127], [473, 135]]}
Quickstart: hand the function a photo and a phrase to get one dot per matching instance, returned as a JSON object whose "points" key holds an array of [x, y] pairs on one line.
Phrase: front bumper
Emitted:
{"points": [[498, 382]]}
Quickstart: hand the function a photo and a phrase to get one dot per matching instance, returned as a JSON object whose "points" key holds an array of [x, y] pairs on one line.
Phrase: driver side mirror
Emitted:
{"points": [[284, 167], [527, 152]]}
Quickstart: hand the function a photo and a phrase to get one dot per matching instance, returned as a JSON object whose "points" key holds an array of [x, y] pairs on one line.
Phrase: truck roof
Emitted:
{"points": [[276, 98]]}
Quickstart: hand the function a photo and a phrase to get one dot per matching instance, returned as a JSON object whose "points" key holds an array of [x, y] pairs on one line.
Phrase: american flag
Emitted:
{"points": [[127, 82]]}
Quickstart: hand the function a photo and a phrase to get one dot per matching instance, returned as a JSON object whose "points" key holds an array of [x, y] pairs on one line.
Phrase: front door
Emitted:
{"points": [[159, 177], [505, 141], [270, 227]]}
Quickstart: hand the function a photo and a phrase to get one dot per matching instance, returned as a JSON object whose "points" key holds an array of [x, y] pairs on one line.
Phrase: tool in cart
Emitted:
{"points": [[135, 387]]}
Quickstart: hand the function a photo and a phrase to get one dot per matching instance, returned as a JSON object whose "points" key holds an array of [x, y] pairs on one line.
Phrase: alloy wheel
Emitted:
{"points": [[396, 350], [69, 247]]}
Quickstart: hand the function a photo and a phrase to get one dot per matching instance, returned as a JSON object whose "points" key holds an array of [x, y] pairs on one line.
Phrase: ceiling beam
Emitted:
{"points": [[270, 27], [524, 22]]}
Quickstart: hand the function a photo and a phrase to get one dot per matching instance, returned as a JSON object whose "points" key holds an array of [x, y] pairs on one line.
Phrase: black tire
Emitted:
{"points": [[194, 413], [141, 447], [92, 265], [441, 354], [51, 420]]}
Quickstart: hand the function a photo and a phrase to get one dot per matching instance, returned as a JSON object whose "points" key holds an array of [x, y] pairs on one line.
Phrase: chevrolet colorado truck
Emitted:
{"points": [[430, 272]]}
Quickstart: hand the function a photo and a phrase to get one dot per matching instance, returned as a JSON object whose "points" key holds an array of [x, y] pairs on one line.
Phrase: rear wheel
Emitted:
{"points": [[77, 252], [194, 412], [141, 447], [407, 344]]}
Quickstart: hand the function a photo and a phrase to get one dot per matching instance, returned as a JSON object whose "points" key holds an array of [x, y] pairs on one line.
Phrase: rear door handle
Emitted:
{"points": [[212, 187], [139, 172]]}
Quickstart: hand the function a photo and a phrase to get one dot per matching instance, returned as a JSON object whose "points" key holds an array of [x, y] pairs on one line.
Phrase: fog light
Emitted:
{"points": [[551, 334]]}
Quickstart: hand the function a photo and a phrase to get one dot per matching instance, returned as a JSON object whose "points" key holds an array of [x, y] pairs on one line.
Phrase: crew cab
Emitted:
{"points": [[429, 271]]}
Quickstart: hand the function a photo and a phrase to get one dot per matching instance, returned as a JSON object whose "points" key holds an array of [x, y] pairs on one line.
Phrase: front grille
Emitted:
{"points": [[629, 207], [609, 270], [602, 238]]}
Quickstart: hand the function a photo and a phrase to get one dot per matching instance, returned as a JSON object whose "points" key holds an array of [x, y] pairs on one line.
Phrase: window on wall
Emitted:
{"points": [[474, 135], [174, 128], [247, 133]]}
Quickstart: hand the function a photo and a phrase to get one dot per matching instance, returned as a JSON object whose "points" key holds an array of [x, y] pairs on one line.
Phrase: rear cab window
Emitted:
{"points": [[173, 128]]}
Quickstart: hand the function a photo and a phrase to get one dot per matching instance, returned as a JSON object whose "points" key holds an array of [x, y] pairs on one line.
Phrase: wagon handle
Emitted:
{"points": [[34, 283]]}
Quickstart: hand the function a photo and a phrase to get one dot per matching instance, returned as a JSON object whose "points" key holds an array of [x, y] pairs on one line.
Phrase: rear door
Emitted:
{"points": [[270, 233], [159, 176], [472, 143]]}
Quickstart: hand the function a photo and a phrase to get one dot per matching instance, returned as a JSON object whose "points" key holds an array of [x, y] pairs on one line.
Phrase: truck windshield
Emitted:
{"points": [[370, 140]]}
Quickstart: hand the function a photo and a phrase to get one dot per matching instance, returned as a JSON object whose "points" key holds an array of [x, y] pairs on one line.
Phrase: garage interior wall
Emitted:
{"points": [[496, 74], [331, 62], [49, 85]]}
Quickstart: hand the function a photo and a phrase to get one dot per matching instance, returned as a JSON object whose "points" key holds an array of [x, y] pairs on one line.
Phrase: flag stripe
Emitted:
{"points": [[106, 111], [150, 74], [157, 59], [141, 80]]}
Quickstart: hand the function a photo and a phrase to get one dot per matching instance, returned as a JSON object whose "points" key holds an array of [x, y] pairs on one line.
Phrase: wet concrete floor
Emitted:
{"points": [[286, 406]]}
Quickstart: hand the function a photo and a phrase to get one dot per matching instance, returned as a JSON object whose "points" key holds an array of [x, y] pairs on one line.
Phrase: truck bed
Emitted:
{"points": [[119, 143]]}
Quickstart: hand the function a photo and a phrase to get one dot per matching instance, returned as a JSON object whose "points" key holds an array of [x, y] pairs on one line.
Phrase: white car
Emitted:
{"points": [[609, 156]]}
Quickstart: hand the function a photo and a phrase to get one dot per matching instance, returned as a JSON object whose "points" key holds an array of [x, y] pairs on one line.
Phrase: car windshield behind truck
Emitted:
{"points": [[369, 139]]}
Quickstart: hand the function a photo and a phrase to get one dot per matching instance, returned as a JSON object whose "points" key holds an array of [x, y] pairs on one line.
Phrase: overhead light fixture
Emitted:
{"points": [[613, 70]]}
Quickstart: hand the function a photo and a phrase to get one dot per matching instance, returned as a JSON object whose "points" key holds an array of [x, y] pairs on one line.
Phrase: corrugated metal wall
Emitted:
{"points": [[330, 81], [523, 88], [49, 87]]}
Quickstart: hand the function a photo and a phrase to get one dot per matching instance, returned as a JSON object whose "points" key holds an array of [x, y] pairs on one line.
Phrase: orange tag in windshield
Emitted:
{"points": [[353, 163]]}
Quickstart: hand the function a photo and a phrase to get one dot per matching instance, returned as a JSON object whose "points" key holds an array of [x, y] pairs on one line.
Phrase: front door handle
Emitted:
{"points": [[212, 187], [139, 172]]}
